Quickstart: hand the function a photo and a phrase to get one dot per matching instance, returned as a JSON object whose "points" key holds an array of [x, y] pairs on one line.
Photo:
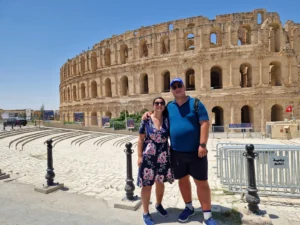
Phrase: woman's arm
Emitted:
{"points": [[140, 145]]}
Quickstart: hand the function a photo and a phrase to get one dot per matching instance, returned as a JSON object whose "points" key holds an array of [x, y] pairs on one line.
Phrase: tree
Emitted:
{"points": [[42, 111]]}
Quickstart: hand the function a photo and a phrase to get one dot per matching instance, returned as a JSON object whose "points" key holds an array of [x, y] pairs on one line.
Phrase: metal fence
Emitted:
{"points": [[226, 132], [279, 178]]}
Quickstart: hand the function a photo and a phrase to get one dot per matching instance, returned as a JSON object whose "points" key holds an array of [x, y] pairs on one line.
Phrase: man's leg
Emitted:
{"points": [[204, 195], [185, 188]]}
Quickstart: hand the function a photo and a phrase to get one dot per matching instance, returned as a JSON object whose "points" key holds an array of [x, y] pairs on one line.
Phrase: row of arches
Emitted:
{"points": [[216, 82], [244, 35], [246, 115]]}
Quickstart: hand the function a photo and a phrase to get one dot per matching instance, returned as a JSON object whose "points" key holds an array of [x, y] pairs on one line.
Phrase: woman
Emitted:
{"points": [[154, 158]]}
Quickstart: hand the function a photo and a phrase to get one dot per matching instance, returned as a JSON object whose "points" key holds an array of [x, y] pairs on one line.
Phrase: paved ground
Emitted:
{"points": [[97, 173]]}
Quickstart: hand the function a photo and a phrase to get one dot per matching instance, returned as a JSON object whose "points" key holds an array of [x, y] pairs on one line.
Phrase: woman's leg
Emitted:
{"points": [[145, 194], [160, 189]]}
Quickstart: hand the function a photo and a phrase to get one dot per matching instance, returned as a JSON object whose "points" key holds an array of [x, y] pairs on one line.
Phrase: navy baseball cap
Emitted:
{"points": [[177, 79]]}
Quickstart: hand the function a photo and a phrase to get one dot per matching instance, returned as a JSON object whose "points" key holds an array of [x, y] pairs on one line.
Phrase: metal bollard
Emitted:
{"points": [[252, 197], [35, 123], [50, 174], [129, 187], [12, 126], [3, 126]]}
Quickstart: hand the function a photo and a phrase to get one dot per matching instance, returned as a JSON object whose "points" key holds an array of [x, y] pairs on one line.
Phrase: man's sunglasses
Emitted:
{"points": [[159, 103], [174, 87]]}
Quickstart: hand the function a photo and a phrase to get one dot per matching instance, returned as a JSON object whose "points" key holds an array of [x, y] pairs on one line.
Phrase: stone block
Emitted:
{"points": [[128, 204], [48, 189]]}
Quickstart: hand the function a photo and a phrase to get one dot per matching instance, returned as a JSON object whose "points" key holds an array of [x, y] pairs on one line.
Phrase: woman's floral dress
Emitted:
{"points": [[156, 164]]}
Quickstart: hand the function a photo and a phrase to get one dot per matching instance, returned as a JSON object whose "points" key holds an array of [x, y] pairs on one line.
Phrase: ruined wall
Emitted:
{"points": [[232, 61]]}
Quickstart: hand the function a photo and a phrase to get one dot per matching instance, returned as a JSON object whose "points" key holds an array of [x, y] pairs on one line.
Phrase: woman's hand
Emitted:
{"points": [[139, 161], [146, 115]]}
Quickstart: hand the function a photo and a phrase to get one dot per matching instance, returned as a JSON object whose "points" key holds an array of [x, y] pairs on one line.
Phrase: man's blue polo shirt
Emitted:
{"points": [[184, 125]]}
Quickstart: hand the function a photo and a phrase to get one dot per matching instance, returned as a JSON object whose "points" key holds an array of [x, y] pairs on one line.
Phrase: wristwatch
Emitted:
{"points": [[203, 145]]}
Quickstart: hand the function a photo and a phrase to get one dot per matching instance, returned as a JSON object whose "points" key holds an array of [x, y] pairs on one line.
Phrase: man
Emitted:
{"points": [[189, 134]]}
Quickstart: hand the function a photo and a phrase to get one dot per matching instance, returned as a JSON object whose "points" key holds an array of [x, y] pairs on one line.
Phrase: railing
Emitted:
{"points": [[277, 168]]}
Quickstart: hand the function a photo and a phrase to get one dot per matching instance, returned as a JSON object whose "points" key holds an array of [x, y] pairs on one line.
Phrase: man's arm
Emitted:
{"points": [[204, 133]]}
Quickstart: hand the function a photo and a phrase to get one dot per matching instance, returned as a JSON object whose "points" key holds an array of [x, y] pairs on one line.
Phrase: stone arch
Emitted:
{"points": [[94, 89], [74, 92], [247, 115], [69, 70], [164, 45], [124, 53], [108, 92], [275, 77], [94, 61], [171, 26], [74, 67], [124, 86], [218, 119], [189, 41], [165, 81], [260, 17], [69, 94], [68, 117], [108, 113], [190, 80], [216, 77], [246, 75], [244, 34], [143, 48], [94, 119], [82, 64], [107, 58], [82, 91], [215, 38], [65, 95], [274, 37], [144, 84], [276, 113]]}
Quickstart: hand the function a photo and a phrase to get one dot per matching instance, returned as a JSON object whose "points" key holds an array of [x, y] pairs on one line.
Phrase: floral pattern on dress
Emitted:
{"points": [[156, 164]]}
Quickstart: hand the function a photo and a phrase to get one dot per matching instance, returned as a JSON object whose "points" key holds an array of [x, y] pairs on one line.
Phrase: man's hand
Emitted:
{"points": [[146, 115], [139, 161], [202, 152]]}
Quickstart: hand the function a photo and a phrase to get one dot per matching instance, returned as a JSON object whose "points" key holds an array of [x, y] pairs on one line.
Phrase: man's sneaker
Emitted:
{"points": [[160, 209], [185, 215], [210, 221], [148, 219]]}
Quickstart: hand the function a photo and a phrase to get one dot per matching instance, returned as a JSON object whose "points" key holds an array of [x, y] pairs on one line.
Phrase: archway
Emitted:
{"points": [[94, 62], [190, 80], [74, 93], [124, 54], [277, 113], [275, 74], [94, 89], [216, 78], [107, 57], [82, 62], [108, 92], [82, 87], [215, 38], [244, 34], [143, 49], [218, 120], [166, 82], [247, 114], [65, 95], [74, 68], [108, 113], [94, 119], [164, 45], [274, 37], [246, 75], [124, 86], [189, 42], [69, 97], [144, 84]]}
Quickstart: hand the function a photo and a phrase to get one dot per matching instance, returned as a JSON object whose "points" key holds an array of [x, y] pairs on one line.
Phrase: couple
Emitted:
{"points": [[188, 155]]}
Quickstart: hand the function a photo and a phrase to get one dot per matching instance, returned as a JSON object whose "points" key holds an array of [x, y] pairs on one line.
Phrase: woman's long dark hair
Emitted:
{"points": [[165, 112]]}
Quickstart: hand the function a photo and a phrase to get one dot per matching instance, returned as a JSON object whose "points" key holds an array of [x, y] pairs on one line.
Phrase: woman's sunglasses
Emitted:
{"points": [[159, 103], [174, 87]]}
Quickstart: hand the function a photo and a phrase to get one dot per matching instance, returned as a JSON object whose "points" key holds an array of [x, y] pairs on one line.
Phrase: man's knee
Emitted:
{"points": [[201, 183], [184, 180]]}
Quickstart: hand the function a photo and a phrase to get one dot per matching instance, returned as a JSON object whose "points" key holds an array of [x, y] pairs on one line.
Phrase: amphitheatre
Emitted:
{"points": [[244, 67]]}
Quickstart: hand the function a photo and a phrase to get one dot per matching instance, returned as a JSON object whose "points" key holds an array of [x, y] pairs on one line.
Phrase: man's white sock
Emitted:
{"points": [[207, 214], [189, 205]]}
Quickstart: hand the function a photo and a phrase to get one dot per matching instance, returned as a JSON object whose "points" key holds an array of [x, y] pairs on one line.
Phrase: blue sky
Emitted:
{"points": [[38, 36]]}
